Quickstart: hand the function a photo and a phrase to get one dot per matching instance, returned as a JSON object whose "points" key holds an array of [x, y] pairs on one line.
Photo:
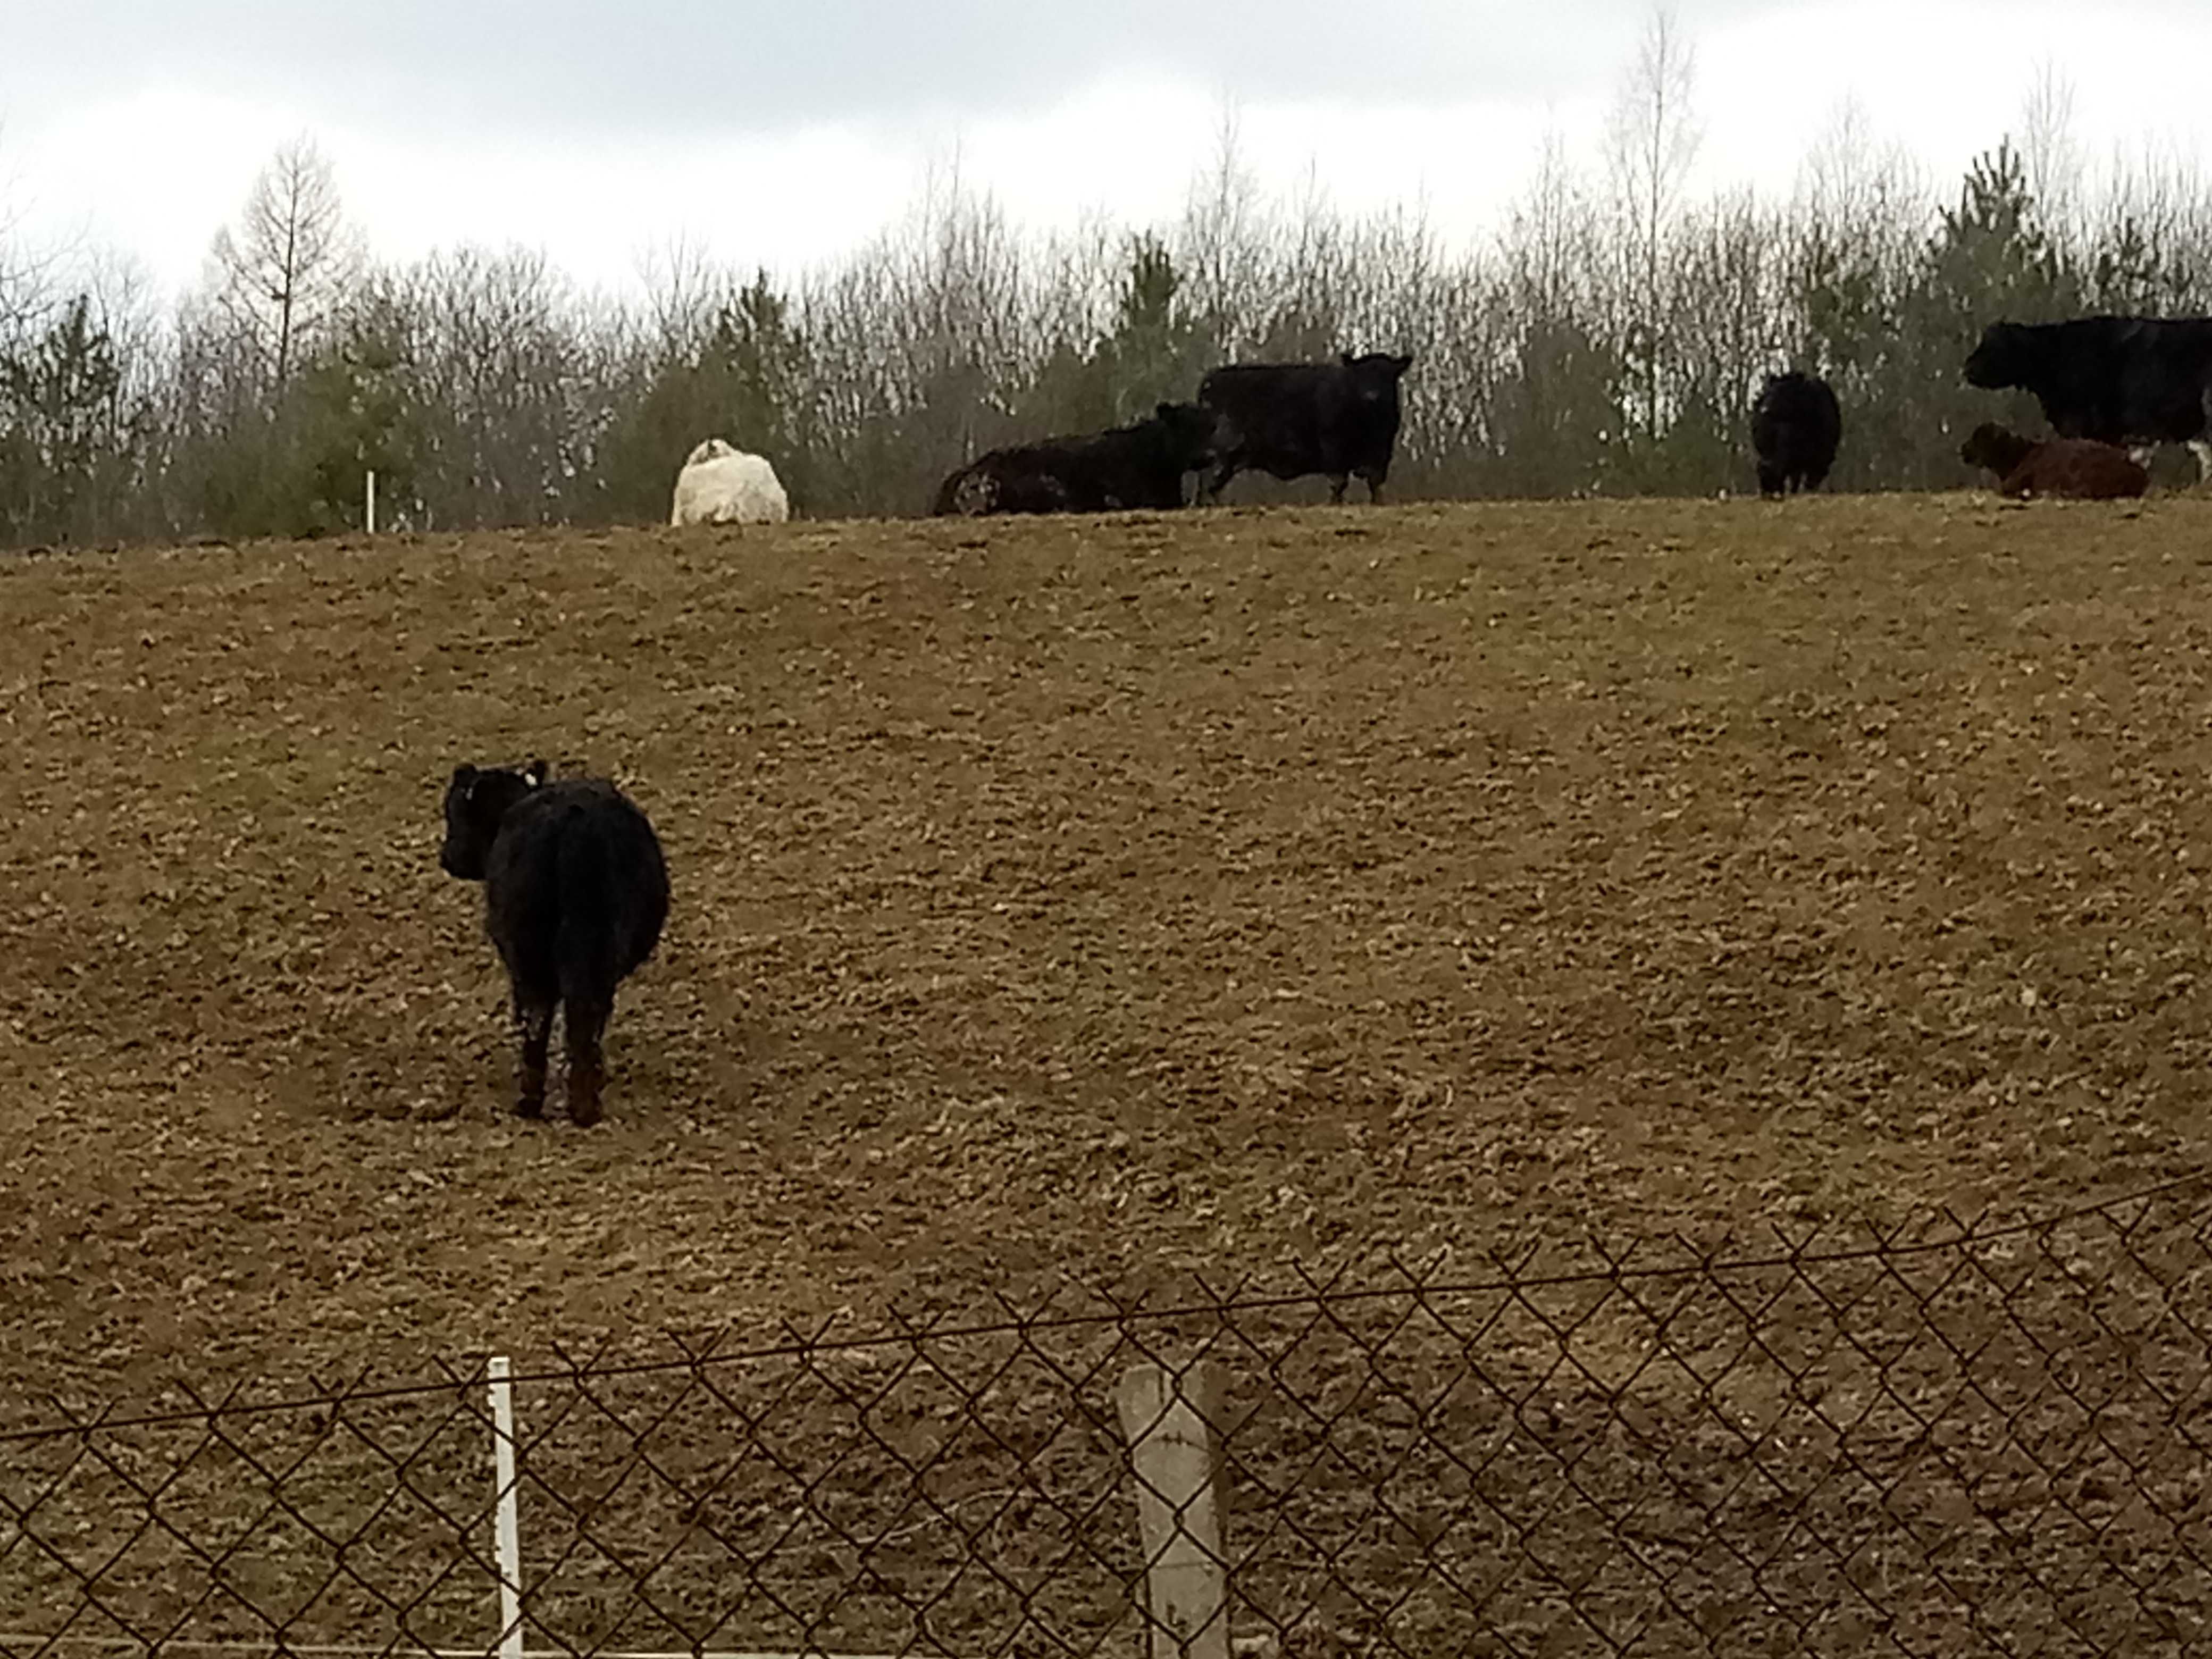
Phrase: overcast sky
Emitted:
{"points": [[783, 133]]}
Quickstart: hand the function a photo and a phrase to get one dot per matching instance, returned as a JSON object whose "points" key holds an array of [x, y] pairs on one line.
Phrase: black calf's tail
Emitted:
{"points": [[587, 944]]}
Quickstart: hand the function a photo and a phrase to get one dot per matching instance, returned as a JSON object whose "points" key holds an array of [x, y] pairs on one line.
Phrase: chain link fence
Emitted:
{"points": [[1941, 1438]]}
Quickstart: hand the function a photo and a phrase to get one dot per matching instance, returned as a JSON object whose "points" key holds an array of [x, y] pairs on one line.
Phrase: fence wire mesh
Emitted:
{"points": [[1937, 1439]]}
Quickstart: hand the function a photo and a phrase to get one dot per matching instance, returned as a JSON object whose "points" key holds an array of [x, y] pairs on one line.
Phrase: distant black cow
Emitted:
{"points": [[1290, 419], [2137, 382], [2079, 467], [1795, 429], [1140, 465], [575, 892]]}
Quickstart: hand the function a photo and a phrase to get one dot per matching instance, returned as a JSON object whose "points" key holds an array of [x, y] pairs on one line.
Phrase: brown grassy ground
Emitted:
{"points": [[1108, 897]]}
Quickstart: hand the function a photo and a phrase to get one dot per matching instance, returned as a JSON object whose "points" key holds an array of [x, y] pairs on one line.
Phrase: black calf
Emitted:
{"points": [[575, 893], [1795, 426]]}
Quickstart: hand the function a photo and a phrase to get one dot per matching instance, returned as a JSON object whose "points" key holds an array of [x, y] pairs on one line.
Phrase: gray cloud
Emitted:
{"points": [[761, 67]]}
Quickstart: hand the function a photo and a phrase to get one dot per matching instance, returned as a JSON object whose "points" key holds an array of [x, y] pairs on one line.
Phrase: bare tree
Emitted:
{"points": [[1553, 411], [25, 290], [683, 285], [1852, 236], [1547, 240], [1221, 243], [2050, 153], [1728, 260], [2149, 234], [281, 279], [1849, 178], [1652, 139]]}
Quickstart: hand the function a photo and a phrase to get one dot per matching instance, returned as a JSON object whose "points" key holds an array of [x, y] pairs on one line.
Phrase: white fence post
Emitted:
{"points": [[1171, 1419], [502, 1458], [368, 517]]}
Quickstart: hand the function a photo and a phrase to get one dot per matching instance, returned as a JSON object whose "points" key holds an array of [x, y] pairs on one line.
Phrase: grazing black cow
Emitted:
{"points": [[1140, 465], [1290, 419], [1795, 429], [2135, 382], [575, 892], [2080, 467]]}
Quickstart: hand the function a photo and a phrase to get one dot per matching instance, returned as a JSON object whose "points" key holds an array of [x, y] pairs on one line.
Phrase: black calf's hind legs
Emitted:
{"points": [[534, 1021], [583, 1026], [586, 1065]]}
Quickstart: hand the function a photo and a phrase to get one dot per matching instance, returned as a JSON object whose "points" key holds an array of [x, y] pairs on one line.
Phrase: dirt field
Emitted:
{"points": [[1112, 898]]}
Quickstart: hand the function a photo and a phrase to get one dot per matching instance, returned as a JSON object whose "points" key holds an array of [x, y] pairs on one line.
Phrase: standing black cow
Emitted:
{"points": [[1794, 427], [1139, 465], [575, 892], [1290, 419], [2135, 382]]}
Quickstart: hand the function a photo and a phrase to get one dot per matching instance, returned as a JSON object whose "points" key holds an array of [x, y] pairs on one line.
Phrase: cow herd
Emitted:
{"points": [[1289, 420], [2125, 382], [2113, 388], [575, 886]]}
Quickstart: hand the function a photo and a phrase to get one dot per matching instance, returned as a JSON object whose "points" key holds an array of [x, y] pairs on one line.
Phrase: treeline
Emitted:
{"points": [[1607, 340]]}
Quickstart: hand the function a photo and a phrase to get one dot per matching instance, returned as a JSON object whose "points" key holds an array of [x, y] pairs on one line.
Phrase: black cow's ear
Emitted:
{"points": [[464, 774], [1404, 362], [534, 774]]}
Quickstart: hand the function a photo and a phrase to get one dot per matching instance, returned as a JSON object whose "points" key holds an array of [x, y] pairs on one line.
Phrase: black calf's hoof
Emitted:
{"points": [[588, 1076]]}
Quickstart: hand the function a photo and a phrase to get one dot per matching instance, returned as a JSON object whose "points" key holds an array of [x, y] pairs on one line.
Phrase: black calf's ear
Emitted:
{"points": [[464, 774], [535, 773]]}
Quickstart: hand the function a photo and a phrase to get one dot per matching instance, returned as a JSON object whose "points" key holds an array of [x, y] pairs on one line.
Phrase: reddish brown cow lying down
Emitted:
{"points": [[2056, 466]]}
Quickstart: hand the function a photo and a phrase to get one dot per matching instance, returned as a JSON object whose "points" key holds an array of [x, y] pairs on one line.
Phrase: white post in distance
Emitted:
{"points": [[368, 516], [1171, 1419], [502, 1458]]}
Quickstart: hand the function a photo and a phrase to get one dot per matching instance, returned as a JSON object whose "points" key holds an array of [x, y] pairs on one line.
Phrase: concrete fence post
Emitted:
{"points": [[1172, 1420]]}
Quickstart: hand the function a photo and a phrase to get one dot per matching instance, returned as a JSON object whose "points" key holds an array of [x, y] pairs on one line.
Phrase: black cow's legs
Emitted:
{"points": [[585, 1023], [1336, 489], [534, 1021]]}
